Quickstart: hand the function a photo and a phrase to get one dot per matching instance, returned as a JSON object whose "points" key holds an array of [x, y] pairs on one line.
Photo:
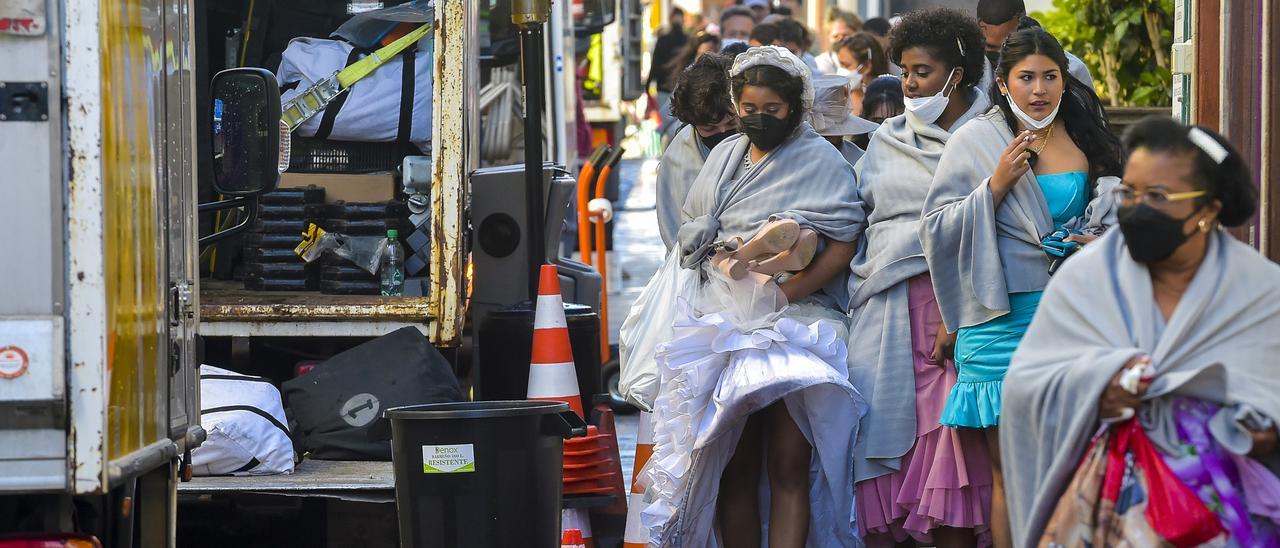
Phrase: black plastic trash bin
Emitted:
{"points": [[506, 337], [480, 474]]}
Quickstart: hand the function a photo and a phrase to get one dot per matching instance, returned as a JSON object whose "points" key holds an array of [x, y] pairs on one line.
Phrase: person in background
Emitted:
{"points": [[1042, 161], [917, 481], [764, 34], [703, 42], [779, 30], [701, 102], [1000, 18], [736, 24], [878, 26], [795, 8], [840, 25], [1181, 297], [759, 9], [665, 50], [832, 116], [881, 101], [862, 57]]}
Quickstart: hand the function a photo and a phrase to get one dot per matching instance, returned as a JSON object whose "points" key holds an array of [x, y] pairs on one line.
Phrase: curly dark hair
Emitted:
{"points": [[1081, 109], [1230, 183], [941, 32], [788, 87], [701, 95]]}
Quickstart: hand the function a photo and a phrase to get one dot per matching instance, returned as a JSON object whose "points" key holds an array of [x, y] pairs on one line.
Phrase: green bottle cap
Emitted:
{"points": [[392, 234]]}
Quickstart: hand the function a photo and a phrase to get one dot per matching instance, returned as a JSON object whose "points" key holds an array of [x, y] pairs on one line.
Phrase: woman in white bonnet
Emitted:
{"points": [[753, 436]]}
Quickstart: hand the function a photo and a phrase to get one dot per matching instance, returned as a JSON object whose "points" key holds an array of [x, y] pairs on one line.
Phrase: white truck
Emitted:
{"points": [[102, 307]]}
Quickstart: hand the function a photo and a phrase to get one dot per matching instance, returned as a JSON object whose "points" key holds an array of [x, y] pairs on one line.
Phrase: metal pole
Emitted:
{"points": [[533, 59]]}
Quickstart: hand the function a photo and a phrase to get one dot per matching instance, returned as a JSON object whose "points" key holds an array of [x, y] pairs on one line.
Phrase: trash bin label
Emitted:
{"points": [[448, 459]]}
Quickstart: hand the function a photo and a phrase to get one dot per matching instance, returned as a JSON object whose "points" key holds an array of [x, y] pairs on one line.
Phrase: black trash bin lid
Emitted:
{"points": [[477, 410]]}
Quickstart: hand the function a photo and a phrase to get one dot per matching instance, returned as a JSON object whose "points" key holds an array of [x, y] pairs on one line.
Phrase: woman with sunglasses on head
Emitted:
{"points": [[1042, 161], [916, 480], [1185, 301], [754, 408]]}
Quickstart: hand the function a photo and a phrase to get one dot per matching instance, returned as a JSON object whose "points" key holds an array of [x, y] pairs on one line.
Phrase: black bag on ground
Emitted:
{"points": [[336, 405]]}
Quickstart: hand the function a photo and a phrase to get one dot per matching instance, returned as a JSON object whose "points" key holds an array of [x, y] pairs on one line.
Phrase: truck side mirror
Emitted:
{"points": [[250, 143], [246, 132]]}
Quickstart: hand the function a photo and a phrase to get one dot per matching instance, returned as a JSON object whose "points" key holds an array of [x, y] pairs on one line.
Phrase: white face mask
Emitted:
{"points": [[1027, 120], [926, 110], [855, 77]]}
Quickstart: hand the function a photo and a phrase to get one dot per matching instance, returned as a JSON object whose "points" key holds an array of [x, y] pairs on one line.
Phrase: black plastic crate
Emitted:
{"points": [[311, 155], [310, 194]]}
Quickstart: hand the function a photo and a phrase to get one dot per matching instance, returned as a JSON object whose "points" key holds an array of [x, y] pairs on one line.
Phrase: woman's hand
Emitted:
{"points": [[832, 261], [944, 346], [1012, 166], [1082, 238], [1264, 442], [1115, 398]]}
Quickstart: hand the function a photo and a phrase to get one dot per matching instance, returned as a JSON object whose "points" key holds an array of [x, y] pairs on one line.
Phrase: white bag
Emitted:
{"points": [[371, 111], [649, 324], [246, 426]]}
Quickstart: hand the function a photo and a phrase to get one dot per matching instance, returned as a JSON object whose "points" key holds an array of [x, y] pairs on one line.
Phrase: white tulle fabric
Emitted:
{"points": [[733, 353]]}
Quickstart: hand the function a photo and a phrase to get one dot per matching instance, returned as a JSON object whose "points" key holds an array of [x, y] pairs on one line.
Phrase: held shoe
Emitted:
{"points": [[794, 259], [774, 237]]}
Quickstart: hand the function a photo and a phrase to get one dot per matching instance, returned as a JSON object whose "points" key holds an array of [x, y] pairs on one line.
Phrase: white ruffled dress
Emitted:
{"points": [[734, 353]]}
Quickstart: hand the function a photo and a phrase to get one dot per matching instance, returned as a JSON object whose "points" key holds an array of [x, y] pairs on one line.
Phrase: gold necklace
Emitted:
{"points": [[1047, 135]]}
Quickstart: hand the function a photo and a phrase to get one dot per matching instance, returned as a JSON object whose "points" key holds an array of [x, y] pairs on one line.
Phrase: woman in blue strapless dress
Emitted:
{"points": [[1040, 160]]}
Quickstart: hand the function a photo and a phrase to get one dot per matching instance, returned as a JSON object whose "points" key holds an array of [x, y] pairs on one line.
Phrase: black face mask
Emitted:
{"points": [[764, 131], [1151, 234], [994, 57], [713, 140]]}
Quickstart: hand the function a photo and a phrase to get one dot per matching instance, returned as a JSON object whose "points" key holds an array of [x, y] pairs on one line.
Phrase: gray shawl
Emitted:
{"points": [[978, 254], [1098, 312], [893, 178], [805, 179], [677, 169], [851, 152]]}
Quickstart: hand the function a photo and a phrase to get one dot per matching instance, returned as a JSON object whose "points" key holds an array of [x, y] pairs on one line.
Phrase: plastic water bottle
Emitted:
{"points": [[393, 266]]}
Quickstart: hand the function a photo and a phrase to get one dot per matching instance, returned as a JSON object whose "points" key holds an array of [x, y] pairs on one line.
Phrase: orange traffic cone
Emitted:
{"points": [[552, 375], [571, 538], [578, 520], [635, 535]]}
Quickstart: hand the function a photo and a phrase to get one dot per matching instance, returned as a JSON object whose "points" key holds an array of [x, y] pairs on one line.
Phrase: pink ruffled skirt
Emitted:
{"points": [[945, 479]]}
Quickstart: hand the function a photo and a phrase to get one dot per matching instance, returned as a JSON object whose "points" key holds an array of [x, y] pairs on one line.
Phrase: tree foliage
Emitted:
{"points": [[1125, 43]]}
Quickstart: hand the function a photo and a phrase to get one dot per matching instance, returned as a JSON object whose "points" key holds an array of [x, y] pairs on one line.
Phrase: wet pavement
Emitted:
{"points": [[638, 250]]}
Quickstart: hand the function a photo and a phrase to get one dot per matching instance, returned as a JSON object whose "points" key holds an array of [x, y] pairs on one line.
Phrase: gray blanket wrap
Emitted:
{"points": [[679, 166], [977, 253], [1099, 311], [804, 179], [893, 178]]}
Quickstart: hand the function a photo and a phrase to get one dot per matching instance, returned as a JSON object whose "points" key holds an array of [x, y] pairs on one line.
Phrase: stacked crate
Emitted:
{"points": [[270, 263], [339, 276]]}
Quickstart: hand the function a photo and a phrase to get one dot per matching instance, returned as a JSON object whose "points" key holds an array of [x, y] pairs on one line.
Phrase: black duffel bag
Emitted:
{"points": [[337, 407]]}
